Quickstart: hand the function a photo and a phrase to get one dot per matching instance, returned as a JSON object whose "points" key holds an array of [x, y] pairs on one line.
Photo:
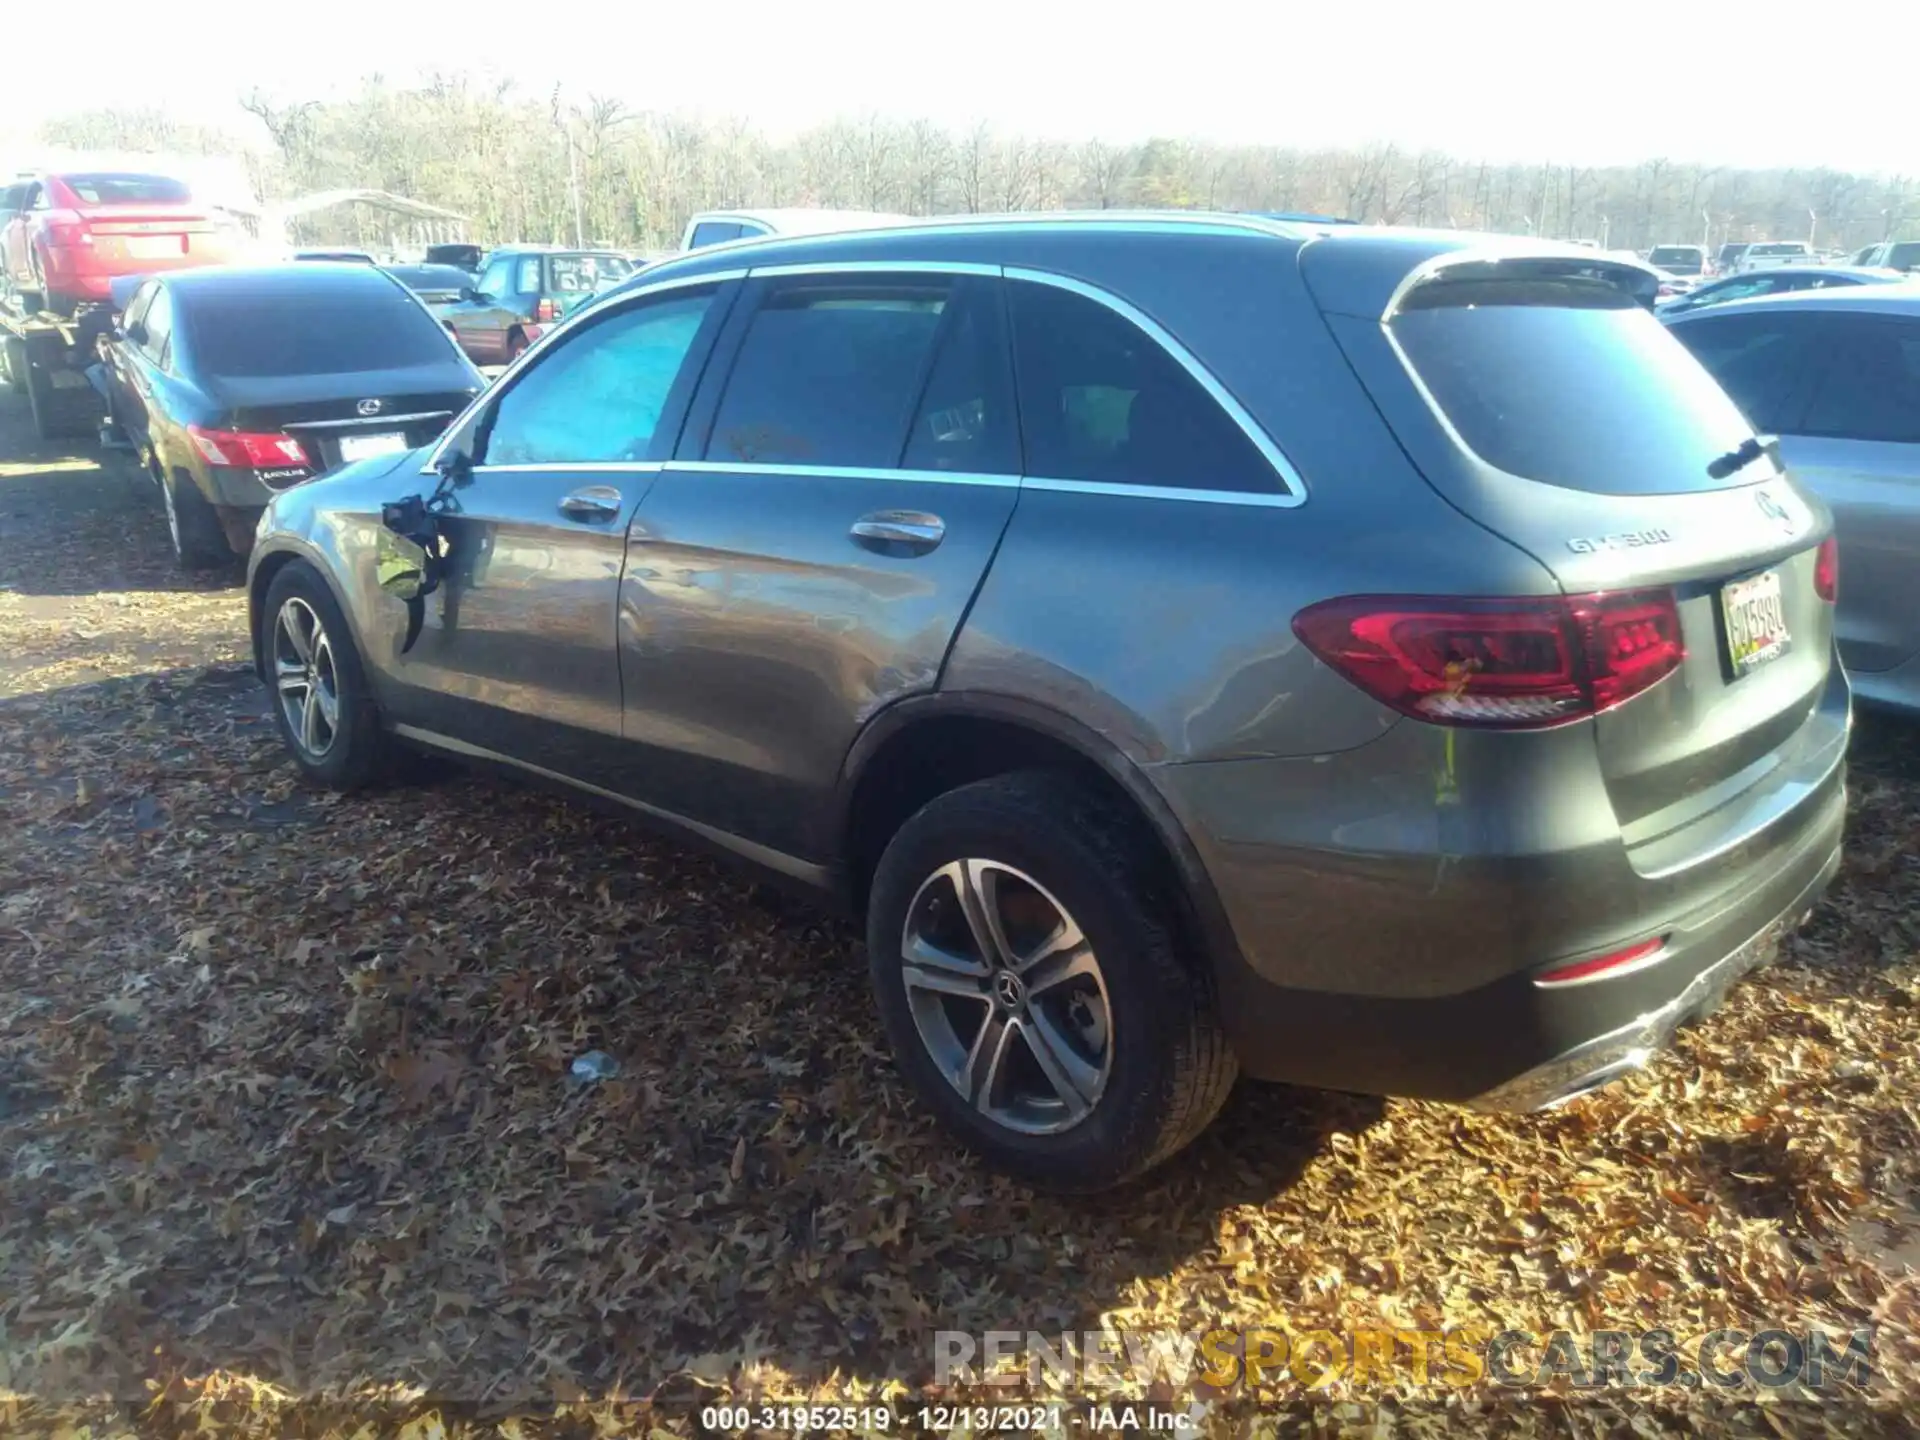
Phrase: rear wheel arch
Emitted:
{"points": [[919, 749]]}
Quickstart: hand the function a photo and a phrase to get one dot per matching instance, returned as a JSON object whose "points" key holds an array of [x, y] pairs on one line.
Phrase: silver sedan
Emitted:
{"points": [[1835, 374]]}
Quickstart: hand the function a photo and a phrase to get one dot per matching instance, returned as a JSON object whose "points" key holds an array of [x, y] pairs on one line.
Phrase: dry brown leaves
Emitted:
{"points": [[284, 1108]]}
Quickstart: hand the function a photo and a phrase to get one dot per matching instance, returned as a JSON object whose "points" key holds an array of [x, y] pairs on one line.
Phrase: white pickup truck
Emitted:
{"points": [[1769, 254]]}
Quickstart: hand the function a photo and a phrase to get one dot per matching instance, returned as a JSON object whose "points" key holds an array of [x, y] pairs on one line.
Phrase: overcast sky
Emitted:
{"points": [[1548, 81]]}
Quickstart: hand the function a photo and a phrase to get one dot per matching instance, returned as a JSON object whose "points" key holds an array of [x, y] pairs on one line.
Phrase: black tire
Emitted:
{"points": [[54, 418], [359, 751], [1170, 1068], [199, 544], [516, 345]]}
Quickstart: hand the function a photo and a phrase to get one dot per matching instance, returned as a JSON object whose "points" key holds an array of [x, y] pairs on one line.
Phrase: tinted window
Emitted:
{"points": [[136, 313], [966, 419], [117, 189], [1903, 256], [1869, 389], [326, 331], [159, 323], [713, 232], [1680, 259], [1566, 380], [828, 374], [1759, 360], [599, 396], [430, 277], [1101, 400]]}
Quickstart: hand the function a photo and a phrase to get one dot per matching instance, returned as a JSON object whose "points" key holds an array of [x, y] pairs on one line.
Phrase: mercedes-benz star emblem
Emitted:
{"points": [[1008, 989], [368, 407], [1771, 507]]}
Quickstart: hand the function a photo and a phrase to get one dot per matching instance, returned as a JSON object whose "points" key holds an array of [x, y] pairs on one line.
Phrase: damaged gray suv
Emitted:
{"points": [[1195, 645]]}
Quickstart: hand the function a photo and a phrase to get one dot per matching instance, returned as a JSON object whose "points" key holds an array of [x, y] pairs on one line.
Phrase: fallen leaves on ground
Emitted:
{"points": [[285, 1108]]}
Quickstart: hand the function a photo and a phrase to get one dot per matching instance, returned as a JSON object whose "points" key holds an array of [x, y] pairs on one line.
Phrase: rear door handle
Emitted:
{"points": [[890, 532], [592, 502]]}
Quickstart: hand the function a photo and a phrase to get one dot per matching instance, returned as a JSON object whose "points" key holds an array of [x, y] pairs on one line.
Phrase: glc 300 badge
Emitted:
{"points": [[1625, 540]]}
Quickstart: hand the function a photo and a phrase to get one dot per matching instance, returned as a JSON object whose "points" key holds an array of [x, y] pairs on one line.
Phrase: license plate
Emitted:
{"points": [[155, 247], [359, 447], [1756, 622]]}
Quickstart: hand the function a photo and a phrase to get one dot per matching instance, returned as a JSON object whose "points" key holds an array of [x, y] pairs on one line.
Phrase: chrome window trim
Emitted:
{"points": [[878, 267], [592, 467], [1261, 499], [506, 377], [366, 420], [1294, 492], [846, 472]]}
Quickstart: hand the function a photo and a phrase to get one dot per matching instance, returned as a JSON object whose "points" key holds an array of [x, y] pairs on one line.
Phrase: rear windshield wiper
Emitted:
{"points": [[1749, 450]]}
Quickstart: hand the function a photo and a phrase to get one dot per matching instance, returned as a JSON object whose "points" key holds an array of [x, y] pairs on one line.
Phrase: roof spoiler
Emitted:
{"points": [[1447, 278]]}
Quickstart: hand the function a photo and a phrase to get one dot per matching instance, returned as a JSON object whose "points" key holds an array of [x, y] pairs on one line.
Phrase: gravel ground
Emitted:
{"points": [[284, 1107]]}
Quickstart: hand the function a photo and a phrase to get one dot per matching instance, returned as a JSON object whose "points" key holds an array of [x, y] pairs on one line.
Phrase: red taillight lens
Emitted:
{"points": [[245, 451], [1826, 570], [1513, 664], [546, 312], [1604, 967], [65, 234]]}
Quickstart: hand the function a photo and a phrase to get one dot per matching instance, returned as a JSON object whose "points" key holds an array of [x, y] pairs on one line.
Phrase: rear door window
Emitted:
{"points": [[1761, 359], [1869, 389], [829, 373], [159, 323], [599, 397], [1566, 379], [1102, 402], [713, 232]]}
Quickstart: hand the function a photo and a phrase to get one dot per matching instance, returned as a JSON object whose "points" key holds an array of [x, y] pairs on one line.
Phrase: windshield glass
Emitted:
{"points": [[322, 333], [1568, 381], [117, 189]]}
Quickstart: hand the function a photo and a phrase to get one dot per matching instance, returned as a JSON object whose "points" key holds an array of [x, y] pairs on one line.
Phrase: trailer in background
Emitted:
{"points": [[47, 357]]}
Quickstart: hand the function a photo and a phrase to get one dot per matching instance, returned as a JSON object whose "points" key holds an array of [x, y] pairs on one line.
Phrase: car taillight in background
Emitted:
{"points": [[64, 232], [241, 450], [1508, 664], [1826, 570], [546, 311]]}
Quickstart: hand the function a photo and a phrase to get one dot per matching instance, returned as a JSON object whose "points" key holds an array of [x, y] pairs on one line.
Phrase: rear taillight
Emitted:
{"points": [[66, 234], [1603, 967], [241, 450], [546, 312], [1513, 664], [1826, 570]]}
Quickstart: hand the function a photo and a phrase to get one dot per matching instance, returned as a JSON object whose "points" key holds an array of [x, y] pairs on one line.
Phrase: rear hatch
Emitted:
{"points": [[1540, 397]]}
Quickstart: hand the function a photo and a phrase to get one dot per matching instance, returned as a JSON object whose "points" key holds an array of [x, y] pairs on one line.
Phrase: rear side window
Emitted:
{"points": [[966, 419], [1904, 256], [118, 189], [599, 396], [1102, 401], [1761, 360], [1569, 381], [829, 374], [1869, 389], [527, 282], [159, 323], [713, 232], [323, 332]]}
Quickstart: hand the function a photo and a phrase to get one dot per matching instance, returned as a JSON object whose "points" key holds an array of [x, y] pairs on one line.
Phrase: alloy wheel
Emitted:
{"points": [[1007, 996], [305, 679], [173, 517]]}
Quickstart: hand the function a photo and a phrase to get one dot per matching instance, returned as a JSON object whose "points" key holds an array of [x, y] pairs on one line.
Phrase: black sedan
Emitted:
{"points": [[234, 383]]}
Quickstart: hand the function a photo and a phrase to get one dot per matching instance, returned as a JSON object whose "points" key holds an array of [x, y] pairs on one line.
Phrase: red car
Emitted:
{"points": [[64, 238]]}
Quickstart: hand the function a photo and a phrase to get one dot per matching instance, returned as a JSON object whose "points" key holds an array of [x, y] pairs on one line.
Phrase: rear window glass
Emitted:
{"points": [[1683, 258], [430, 277], [317, 333], [1568, 381], [1905, 255], [116, 189], [1784, 247], [584, 274]]}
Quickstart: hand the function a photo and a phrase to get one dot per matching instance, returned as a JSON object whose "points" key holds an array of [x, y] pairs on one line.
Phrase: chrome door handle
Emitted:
{"points": [[592, 502], [889, 530]]}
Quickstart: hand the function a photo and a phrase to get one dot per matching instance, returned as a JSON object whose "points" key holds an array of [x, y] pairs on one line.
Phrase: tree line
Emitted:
{"points": [[551, 169]]}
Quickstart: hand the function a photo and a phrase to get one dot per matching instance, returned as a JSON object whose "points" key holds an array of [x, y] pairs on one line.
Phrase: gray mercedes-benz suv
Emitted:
{"points": [[1370, 659]]}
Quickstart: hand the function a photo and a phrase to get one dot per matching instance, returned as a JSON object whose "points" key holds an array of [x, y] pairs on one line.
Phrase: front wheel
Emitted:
{"points": [[1026, 961], [323, 706]]}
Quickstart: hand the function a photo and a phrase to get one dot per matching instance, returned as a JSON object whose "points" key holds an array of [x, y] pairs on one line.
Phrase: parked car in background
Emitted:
{"points": [[440, 287], [524, 291], [1767, 254], [1901, 255], [716, 227], [1773, 282], [65, 236], [461, 256], [1727, 260], [347, 257], [1133, 675], [1688, 261], [1836, 376], [234, 383]]}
